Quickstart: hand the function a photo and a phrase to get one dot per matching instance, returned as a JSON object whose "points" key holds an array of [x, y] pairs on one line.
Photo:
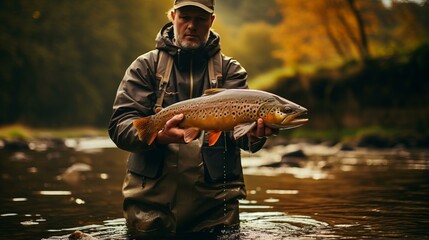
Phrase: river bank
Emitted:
{"points": [[23, 137]]}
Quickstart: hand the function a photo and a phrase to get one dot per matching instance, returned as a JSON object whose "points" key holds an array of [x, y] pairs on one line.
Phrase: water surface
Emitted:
{"points": [[47, 193]]}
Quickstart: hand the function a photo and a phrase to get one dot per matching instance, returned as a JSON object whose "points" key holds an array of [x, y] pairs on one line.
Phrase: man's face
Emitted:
{"points": [[191, 27]]}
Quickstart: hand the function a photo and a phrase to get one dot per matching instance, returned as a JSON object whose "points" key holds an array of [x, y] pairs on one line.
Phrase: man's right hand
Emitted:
{"points": [[171, 133]]}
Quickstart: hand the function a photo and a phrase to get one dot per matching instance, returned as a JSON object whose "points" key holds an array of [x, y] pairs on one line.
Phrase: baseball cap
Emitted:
{"points": [[207, 5]]}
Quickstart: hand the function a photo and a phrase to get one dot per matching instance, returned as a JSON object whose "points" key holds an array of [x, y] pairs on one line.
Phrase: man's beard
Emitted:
{"points": [[189, 44]]}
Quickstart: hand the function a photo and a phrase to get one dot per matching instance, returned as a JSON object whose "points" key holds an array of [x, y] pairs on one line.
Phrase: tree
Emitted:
{"points": [[254, 49], [61, 61], [323, 30]]}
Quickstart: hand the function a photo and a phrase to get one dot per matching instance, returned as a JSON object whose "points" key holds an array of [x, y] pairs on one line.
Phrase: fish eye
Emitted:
{"points": [[287, 110]]}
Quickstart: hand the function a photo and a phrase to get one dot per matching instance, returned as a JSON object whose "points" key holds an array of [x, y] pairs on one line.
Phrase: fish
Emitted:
{"points": [[220, 110]]}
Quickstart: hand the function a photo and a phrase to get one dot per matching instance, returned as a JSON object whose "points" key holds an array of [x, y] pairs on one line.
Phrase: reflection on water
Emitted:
{"points": [[49, 192], [278, 225], [255, 225], [107, 229]]}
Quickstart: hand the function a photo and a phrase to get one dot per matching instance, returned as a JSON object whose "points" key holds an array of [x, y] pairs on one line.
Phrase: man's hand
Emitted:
{"points": [[261, 131], [171, 133]]}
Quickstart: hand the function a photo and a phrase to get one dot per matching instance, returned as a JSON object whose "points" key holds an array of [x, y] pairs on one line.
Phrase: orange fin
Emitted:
{"points": [[213, 136], [152, 138], [190, 134], [144, 131]]}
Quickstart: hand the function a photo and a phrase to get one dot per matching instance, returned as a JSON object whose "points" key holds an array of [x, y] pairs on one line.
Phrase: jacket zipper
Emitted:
{"points": [[191, 78]]}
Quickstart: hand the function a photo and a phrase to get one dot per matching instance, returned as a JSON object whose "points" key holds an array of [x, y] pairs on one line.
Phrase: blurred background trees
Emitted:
{"points": [[351, 62], [61, 61], [344, 30]]}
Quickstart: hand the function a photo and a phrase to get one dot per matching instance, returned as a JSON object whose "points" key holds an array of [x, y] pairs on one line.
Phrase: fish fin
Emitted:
{"points": [[143, 130], [152, 138], [243, 129], [212, 91], [190, 134], [213, 136]]}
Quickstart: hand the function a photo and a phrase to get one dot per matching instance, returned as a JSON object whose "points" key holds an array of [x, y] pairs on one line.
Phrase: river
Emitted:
{"points": [[327, 193]]}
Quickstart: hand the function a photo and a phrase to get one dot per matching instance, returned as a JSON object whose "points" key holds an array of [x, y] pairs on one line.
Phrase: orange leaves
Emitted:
{"points": [[320, 31]]}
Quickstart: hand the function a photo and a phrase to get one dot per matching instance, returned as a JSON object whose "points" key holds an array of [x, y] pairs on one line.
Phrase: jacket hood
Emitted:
{"points": [[164, 41]]}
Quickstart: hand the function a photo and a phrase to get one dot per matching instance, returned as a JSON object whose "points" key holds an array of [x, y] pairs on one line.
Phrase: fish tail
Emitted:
{"points": [[145, 132]]}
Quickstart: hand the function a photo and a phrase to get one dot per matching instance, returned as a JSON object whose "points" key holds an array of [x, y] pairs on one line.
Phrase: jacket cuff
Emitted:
{"points": [[251, 144]]}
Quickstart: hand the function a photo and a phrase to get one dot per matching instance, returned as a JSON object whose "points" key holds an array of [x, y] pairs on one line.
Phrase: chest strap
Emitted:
{"points": [[215, 70], [164, 66], [163, 73]]}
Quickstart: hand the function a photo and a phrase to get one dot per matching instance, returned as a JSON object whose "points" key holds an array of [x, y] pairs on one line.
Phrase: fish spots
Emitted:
{"points": [[279, 112], [234, 116], [222, 111], [265, 110], [198, 113], [227, 108], [247, 112], [201, 113]]}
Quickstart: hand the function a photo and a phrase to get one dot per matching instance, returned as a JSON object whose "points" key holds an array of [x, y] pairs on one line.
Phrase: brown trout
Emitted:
{"points": [[224, 110]]}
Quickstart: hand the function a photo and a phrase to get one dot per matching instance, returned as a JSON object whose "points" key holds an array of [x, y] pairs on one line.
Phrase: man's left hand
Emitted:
{"points": [[262, 131]]}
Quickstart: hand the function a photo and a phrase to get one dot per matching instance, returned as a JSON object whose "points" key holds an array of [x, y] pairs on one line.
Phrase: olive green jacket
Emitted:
{"points": [[139, 89]]}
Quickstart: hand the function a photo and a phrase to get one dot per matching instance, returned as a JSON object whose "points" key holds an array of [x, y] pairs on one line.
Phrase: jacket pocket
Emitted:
{"points": [[221, 164], [146, 163]]}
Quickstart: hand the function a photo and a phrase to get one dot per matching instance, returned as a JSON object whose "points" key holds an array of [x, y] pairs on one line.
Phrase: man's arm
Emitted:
{"points": [[134, 99]]}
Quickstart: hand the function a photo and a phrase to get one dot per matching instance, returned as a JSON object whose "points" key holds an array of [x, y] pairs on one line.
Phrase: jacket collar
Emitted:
{"points": [[164, 41]]}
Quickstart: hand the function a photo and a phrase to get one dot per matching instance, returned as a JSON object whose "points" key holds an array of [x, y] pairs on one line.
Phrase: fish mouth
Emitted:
{"points": [[295, 120], [300, 121]]}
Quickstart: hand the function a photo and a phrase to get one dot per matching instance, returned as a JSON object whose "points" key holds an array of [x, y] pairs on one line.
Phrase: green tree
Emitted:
{"points": [[253, 48], [61, 61]]}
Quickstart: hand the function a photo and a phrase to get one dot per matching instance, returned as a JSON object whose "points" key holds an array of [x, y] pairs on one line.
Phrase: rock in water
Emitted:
{"points": [[78, 235]]}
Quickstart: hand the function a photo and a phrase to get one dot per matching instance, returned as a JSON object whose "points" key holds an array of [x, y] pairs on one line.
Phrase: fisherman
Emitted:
{"points": [[173, 187]]}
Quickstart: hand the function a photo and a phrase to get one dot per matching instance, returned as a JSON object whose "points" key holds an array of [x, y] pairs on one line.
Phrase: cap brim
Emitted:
{"points": [[184, 4]]}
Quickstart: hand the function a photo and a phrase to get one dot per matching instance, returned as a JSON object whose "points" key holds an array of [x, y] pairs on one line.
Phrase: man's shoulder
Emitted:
{"points": [[153, 54], [146, 59]]}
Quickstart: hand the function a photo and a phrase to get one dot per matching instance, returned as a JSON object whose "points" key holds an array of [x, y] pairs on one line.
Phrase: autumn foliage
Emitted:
{"points": [[61, 61], [344, 30]]}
